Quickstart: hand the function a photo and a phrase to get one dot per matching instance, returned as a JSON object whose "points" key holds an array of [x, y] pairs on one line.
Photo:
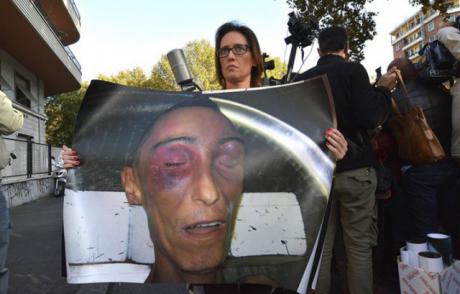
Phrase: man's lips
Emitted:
{"points": [[204, 227]]}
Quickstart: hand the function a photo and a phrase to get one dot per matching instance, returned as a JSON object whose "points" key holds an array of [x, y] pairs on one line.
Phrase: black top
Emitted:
{"points": [[359, 106]]}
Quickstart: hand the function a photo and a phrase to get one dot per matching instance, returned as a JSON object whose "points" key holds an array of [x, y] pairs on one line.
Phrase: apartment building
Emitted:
{"points": [[419, 29], [35, 63]]}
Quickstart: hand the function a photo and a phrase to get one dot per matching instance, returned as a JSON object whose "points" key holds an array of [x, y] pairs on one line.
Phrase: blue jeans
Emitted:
{"points": [[4, 241], [425, 185]]}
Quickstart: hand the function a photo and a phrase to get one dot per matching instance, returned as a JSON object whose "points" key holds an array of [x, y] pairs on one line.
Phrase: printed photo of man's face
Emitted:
{"points": [[213, 187], [188, 175]]}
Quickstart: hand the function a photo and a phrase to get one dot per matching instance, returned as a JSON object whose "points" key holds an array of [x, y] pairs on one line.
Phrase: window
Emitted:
{"points": [[430, 26], [22, 90], [397, 46], [408, 53]]}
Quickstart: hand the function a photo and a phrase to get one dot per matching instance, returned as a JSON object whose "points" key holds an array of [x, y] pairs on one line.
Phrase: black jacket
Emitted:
{"points": [[359, 106], [436, 104]]}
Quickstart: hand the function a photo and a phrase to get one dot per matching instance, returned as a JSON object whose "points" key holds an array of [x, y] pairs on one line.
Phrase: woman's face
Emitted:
{"points": [[236, 69]]}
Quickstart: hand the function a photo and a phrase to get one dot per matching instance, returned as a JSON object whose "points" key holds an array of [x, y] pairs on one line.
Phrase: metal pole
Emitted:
{"points": [[291, 60], [29, 157], [49, 159]]}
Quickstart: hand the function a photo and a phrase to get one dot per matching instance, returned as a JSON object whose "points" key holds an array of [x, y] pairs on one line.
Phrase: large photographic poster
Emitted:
{"points": [[147, 166]]}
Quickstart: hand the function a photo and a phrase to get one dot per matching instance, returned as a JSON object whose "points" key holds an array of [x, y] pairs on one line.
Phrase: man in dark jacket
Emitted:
{"points": [[427, 185], [360, 107]]}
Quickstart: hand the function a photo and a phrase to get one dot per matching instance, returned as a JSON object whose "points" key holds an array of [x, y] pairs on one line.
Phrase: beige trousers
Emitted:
{"points": [[353, 220]]}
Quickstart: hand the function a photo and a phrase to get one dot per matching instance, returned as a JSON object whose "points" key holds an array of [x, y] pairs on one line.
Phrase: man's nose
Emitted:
{"points": [[206, 189]]}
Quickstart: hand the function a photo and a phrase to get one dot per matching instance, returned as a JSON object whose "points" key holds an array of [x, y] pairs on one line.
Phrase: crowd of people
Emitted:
{"points": [[428, 192]]}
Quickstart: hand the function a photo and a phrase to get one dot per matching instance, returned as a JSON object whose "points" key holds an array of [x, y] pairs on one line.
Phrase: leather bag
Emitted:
{"points": [[417, 143]]}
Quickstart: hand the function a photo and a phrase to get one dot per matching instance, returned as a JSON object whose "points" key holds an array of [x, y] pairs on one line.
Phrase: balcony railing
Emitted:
{"points": [[73, 58], [67, 50], [75, 9]]}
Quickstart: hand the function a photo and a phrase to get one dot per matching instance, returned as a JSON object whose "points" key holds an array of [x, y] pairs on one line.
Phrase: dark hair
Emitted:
{"points": [[457, 22], [254, 48], [407, 68], [333, 39]]}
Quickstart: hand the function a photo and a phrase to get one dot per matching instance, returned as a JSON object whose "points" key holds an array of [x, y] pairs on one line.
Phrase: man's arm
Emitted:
{"points": [[11, 119], [371, 105], [450, 37]]}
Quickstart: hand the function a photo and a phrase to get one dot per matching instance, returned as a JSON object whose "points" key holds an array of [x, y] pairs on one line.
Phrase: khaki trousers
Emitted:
{"points": [[353, 225]]}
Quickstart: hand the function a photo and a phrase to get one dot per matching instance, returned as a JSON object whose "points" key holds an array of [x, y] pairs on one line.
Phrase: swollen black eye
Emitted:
{"points": [[174, 164]]}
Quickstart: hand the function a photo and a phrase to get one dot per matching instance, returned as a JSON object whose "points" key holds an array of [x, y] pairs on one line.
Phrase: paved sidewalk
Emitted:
{"points": [[34, 257]]}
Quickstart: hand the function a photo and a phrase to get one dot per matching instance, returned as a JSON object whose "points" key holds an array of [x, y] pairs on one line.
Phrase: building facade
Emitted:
{"points": [[35, 63], [419, 29]]}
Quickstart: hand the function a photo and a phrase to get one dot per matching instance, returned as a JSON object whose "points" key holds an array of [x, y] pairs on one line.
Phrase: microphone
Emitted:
{"points": [[182, 74]]}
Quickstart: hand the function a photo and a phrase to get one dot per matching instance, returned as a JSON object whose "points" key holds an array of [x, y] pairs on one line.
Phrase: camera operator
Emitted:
{"points": [[449, 35], [359, 107], [11, 120]]}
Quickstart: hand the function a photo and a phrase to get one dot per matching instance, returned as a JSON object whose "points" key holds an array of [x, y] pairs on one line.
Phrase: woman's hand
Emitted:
{"points": [[336, 142], [70, 157]]}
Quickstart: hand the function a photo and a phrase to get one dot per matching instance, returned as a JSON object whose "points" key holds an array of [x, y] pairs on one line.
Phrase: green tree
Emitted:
{"points": [[200, 56], [279, 71], [162, 77], [352, 15], [359, 22], [62, 113], [439, 5], [132, 77], [62, 109]]}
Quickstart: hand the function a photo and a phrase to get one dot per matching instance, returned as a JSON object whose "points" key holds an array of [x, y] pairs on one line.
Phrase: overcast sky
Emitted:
{"points": [[118, 35]]}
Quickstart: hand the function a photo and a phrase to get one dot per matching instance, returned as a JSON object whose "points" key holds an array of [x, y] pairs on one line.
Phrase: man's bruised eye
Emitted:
{"points": [[230, 155], [176, 158], [173, 157]]}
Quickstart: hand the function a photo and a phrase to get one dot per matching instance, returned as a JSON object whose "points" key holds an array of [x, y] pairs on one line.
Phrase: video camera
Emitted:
{"points": [[302, 35]]}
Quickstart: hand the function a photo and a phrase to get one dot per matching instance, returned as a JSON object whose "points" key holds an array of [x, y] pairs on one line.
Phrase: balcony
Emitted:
{"points": [[63, 17], [26, 35]]}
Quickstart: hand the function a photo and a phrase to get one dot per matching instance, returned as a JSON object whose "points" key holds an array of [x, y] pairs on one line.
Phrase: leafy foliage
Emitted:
{"points": [[62, 113], [352, 15], [134, 77], [280, 69], [200, 56], [62, 110], [439, 5]]}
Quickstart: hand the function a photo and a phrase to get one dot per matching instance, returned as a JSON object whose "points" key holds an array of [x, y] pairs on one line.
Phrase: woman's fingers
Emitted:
{"points": [[70, 157], [336, 142]]}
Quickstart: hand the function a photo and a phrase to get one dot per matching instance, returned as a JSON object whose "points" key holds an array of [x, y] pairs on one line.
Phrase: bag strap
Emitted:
{"points": [[394, 105], [395, 108], [401, 80]]}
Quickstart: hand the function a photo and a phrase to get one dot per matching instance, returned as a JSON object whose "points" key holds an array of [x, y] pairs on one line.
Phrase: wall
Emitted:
{"points": [[34, 119], [20, 192]]}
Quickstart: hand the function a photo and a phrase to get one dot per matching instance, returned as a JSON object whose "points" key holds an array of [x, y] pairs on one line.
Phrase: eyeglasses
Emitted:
{"points": [[237, 49]]}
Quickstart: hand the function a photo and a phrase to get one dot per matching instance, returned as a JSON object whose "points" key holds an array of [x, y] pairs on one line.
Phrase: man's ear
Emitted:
{"points": [[129, 181]]}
